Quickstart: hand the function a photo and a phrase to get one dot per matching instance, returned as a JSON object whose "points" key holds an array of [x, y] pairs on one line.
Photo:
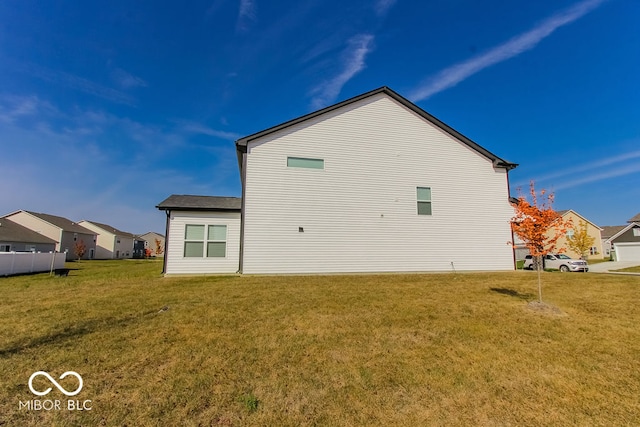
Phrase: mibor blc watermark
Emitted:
{"points": [[55, 405]]}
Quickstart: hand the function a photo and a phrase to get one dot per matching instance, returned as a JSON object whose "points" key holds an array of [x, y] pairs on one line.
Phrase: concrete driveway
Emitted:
{"points": [[603, 267]]}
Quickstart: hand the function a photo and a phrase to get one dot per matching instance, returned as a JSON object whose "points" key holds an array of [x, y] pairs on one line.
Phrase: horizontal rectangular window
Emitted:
{"points": [[300, 162], [424, 200]]}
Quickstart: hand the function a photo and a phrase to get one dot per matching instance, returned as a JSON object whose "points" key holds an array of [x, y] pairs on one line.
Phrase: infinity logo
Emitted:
{"points": [[55, 383]]}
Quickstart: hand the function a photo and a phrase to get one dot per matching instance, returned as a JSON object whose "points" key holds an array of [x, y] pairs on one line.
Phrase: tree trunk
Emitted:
{"points": [[540, 278]]}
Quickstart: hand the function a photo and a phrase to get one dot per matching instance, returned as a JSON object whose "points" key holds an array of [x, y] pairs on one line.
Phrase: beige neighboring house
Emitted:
{"points": [[596, 251], [66, 233], [149, 239], [111, 243], [16, 238]]}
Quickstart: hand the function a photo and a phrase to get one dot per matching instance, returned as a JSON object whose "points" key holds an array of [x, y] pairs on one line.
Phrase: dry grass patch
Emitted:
{"points": [[439, 349]]}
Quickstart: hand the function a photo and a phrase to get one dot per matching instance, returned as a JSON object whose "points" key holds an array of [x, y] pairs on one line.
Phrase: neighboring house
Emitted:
{"points": [[608, 231], [625, 244], [371, 184], [16, 238], [111, 242], [149, 239], [596, 251], [138, 247], [203, 234], [65, 232]]}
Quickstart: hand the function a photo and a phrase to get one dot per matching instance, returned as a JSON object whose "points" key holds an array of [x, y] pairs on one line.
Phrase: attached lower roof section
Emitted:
{"points": [[185, 202]]}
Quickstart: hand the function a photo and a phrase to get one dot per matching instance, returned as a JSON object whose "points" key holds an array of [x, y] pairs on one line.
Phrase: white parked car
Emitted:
{"points": [[558, 262]]}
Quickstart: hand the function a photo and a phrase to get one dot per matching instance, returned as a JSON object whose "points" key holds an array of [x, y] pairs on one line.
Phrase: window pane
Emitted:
{"points": [[424, 194], [216, 249], [194, 232], [193, 249], [424, 208], [217, 232], [299, 162]]}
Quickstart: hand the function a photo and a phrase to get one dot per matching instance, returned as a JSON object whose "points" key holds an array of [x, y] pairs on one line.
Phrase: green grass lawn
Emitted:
{"points": [[630, 269], [432, 349]]}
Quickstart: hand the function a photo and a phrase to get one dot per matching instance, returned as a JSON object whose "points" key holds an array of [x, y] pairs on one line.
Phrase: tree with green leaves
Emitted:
{"points": [[581, 242]]}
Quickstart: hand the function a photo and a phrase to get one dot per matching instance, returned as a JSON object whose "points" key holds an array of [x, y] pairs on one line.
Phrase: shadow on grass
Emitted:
{"points": [[512, 293], [74, 331]]}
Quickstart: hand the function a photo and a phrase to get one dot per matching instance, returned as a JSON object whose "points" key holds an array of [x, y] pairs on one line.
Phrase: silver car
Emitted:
{"points": [[558, 262]]}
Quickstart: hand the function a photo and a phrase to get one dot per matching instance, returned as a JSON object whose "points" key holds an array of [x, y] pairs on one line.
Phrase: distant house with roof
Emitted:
{"points": [[623, 241], [65, 232], [151, 240], [111, 243], [16, 238], [594, 231], [595, 251], [371, 184]]}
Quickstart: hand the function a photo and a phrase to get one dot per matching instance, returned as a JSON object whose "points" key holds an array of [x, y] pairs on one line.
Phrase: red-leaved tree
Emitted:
{"points": [[79, 249], [159, 247], [538, 226]]}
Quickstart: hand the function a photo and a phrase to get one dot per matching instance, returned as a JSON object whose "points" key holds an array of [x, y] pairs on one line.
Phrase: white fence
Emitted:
{"points": [[29, 262]]}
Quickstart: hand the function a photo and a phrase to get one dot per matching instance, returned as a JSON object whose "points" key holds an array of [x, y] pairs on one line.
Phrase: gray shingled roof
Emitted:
{"points": [[635, 218], [63, 223], [200, 203], [241, 144], [13, 232], [611, 230], [111, 229]]}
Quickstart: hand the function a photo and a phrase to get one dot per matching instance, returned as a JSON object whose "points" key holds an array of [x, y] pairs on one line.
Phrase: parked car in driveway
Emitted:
{"points": [[560, 262]]}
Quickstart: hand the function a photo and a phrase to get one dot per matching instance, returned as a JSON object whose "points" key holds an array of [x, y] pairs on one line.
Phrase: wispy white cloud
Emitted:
{"points": [[75, 82], [589, 172], [354, 57], [121, 182], [457, 73], [594, 166], [381, 7], [13, 108], [127, 80], [197, 128], [605, 174], [247, 14]]}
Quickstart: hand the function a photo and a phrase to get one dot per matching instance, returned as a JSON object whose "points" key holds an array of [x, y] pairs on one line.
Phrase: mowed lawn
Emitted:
{"points": [[377, 350]]}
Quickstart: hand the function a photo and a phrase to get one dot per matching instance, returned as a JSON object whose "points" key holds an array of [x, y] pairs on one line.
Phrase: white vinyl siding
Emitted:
{"points": [[218, 249], [359, 215]]}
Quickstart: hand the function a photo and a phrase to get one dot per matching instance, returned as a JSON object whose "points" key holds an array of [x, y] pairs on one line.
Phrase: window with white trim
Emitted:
{"points": [[205, 241], [424, 200], [636, 232], [301, 162]]}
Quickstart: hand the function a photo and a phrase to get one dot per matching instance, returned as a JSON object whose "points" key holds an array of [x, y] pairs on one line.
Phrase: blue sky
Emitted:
{"points": [[107, 108]]}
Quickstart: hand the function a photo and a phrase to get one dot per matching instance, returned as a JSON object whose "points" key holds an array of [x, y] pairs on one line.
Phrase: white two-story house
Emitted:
{"points": [[371, 184]]}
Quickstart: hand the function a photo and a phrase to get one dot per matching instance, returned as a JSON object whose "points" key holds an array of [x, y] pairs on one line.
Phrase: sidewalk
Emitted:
{"points": [[609, 266]]}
